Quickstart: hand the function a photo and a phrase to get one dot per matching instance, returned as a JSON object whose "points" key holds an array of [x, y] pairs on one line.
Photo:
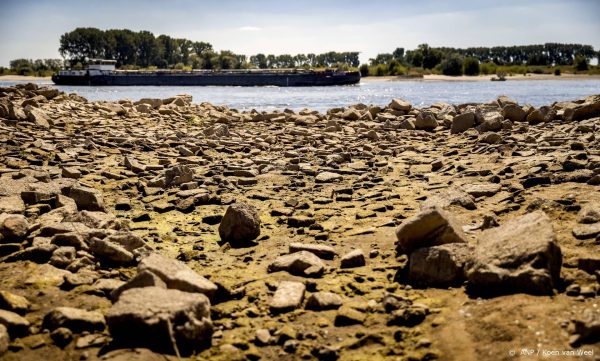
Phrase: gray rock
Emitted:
{"points": [[240, 224], [324, 301], [426, 121], [450, 197], [17, 326], [514, 113], [322, 251], [353, 259], [589, 213], [4, 340], [151, 317], [431, 227], [63, 256], [462, 122], [439, 266], [142, 279], [519, 256], [328, 177], [177, 175], [301, 263], [588, 109], [88, 199], [75, 319], [177, 275], [289, 296], [110, 251], [586, 231]]}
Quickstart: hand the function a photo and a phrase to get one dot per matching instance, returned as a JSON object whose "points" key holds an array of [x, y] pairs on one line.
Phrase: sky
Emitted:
{"points": [[32, 28]]}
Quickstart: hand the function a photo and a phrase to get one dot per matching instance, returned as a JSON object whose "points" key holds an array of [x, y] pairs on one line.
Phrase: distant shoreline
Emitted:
{"points": [[519, 77]]}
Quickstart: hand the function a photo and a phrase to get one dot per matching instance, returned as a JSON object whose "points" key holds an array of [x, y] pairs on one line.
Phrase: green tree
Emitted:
{"points": [[364, 70], [471, 66], [580, 63], [452, 64]]}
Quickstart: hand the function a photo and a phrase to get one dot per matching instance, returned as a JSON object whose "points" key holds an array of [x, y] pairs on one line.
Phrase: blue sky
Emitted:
{"points": [[32, 28]]}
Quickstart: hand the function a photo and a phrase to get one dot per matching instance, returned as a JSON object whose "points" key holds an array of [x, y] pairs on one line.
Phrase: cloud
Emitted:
{"points": [[249, 28]]}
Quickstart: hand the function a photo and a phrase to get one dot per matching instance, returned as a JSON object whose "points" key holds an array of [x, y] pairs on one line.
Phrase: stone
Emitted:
{"points": [[589, 213], [38, 117], [110, 251], [426, 121], [15, 303], [322, 251], [151, 317], [12, 204], [289, 296], [88, 199], [177, 275], [74, 319], [4, 340], [61, 336], [462, 123], [262, 337], [319, 301], [300, 263], [240, 224], [353, 259], [400, 104], [439, 266], [328, 177], [432, 227], [586, 328], [514, 113], [16, 325], [142, 279], [482, 189], [13, 227], [588, 109], [409, 316], [490, 138], [586, 231], [521, 255], [347, 316], [450, 197], [178, 175], [63, 256]]}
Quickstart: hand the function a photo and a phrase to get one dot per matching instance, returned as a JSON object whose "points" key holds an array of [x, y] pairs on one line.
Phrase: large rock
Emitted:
{"points": [[400, 104], [111, 252], [324, 301], [321, 250], [4, 340], [431, 227], [88, 199], [37, 117], [142, 279], [426, 121], [75, 319], [240, 224], [439, 266], [301, 263], [178, 175], [17, 326], [289, 296], [520, 256], [462, 122], [177, 275], [152, 317], [13, 227], [514, 113], [588, 109]]}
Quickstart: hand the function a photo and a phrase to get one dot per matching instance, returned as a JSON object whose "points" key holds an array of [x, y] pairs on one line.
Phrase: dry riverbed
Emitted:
{"points": [[164, 229]]}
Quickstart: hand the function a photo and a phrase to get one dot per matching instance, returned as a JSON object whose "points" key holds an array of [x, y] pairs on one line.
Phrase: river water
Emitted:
{"points": [[418, 92]]}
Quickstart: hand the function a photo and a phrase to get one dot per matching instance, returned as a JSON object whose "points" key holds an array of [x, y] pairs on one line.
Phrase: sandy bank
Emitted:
{"points": [[23, 78]]}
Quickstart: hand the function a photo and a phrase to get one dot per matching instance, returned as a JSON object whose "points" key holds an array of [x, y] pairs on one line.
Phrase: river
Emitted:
{"points": [[419, 93]]}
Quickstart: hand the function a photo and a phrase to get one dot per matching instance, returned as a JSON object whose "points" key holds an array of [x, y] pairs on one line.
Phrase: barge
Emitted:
{"points": [[103, 72]]}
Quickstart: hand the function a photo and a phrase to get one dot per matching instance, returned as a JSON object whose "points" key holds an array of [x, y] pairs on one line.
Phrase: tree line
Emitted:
{"points": [[143, 49]]}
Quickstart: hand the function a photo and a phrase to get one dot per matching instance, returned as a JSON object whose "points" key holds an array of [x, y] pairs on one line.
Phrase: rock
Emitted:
{"points": [[400, 104], [63, 256], [37, 117], [353, 259], [462, 122], [426, 121], [482, 189], [289, 296], [586, 329], [110, 251], [588, 109], [61, 336], [75, 319], [88, 199], [263, 337], [13, 227], [431, 227], [4, 340], [541, 115], [300, 221], [319, 301], [17, 326], [519, 256], [15, 303], [301, 263], [177, 275], [178, 175], [322, 251], [439, 266], [328, 177], [586, 231], [450, 197], [142, 279], [240, 224], [589, 213], [12, 204], [347, 316], [151, 317], [409, 316], [490, 138], [514, 113]]}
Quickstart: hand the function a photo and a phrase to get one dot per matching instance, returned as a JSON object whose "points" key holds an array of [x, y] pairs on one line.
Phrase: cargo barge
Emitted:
{"points": [[103, 72]]}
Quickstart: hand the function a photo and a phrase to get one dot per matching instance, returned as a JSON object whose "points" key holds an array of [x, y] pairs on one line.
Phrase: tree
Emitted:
{"points": [[471, 66], [364, 70], [580, 63], [452, 64], [398, 54]]}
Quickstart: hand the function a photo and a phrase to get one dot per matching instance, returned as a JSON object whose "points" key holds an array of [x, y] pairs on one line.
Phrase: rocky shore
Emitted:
{"points": [[164, 229]]}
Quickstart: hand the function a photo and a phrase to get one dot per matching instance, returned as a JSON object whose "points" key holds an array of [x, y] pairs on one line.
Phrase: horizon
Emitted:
{"points": [[270, 27]]}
